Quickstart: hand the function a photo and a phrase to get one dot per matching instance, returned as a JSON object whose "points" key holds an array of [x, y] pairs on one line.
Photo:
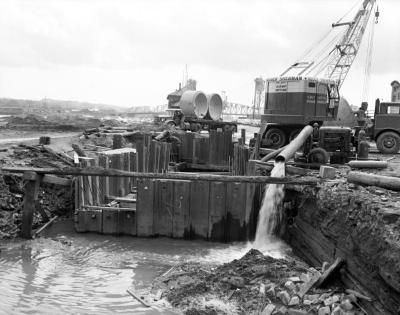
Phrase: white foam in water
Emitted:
{"points": [[270, 215]]}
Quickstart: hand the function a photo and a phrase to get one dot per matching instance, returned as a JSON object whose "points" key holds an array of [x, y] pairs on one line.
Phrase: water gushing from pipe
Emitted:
{"points": [[269, 215]]}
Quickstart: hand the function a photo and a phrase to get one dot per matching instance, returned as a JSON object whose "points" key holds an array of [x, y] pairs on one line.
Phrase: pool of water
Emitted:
{"points": [[68, 273]]}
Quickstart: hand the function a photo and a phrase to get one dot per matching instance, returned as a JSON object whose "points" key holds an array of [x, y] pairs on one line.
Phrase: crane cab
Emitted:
{"points": [[300, 101], [294, 102]]}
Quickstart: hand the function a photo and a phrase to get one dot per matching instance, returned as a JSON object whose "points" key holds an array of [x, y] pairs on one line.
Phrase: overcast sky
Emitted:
{"points": [[133, 52]]}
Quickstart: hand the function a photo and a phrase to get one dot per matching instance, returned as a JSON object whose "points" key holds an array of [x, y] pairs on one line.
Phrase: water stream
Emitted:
{"points": [[69, 273], [269, 215]]}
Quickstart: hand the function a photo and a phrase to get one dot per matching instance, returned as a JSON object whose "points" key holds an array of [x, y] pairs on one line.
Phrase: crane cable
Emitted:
{"points": [[368, 66]]}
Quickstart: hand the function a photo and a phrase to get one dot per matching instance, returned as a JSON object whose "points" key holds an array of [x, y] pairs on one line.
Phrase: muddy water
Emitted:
{"points": [[68, 273]]}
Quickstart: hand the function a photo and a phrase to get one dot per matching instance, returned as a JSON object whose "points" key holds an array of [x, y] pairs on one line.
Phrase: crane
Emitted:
{"points": [[335, 63], [307, 93]]}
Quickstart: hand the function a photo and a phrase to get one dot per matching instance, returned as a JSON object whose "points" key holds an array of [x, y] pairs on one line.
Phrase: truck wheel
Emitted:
{"points": [[388, 142], [276, 138], [318, 155]]}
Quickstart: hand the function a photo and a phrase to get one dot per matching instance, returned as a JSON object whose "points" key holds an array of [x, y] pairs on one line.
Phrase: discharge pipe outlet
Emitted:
{"points": [[294, 145]]}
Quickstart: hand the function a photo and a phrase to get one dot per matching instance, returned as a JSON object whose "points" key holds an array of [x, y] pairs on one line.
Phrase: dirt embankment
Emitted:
{"points": [[52, 199], [254, 284], [360, 224]]}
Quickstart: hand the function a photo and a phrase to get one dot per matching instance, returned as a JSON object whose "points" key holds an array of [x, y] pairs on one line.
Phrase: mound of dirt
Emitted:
{"points": [[253, 284]]}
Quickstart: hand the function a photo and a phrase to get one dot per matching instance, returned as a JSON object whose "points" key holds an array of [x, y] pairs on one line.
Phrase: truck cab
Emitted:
{"points": [[386, 127]]}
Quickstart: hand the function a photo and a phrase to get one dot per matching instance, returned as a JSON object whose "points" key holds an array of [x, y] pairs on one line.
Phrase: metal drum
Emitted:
{"points": [[214, 106], [193, 104]]}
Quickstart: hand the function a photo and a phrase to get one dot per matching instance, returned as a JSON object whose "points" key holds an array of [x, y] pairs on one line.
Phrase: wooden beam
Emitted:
{"points": [[31, 192], [98, 171], [55, 180]]}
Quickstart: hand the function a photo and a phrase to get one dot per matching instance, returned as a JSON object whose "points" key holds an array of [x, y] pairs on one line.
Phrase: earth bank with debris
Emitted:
{"points": [[359, 224]]}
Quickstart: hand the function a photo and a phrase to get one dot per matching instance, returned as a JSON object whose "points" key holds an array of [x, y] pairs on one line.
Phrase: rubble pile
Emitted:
{"points": [[254, 284]]}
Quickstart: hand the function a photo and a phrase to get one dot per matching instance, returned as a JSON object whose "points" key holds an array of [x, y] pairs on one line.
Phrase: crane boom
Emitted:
{"points": [[346, 51], [334, 63]]}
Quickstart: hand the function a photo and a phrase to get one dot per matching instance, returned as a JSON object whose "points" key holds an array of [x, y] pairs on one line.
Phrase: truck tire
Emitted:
{"points": [[318, 155], [276, 138], [388, 142]]}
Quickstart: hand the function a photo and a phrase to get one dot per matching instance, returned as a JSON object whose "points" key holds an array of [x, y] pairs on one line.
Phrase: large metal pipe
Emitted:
{"points": [[295, 145], [368, 164]]}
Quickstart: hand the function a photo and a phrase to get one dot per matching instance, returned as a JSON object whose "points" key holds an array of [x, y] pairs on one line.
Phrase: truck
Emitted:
{"points": [[385, 127], [189, 109]]}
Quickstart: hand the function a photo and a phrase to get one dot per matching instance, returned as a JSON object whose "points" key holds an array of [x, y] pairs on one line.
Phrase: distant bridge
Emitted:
{"points": [[229, 108]]}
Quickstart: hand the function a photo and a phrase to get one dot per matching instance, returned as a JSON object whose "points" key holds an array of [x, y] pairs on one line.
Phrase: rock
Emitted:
{"points": [[305, 277], [281, 311], [294, 301], [271, 291], [294, 279], [268, 309], [284, 297], [296, 312], [346, 305], [236, 282], [262, 288], [290, 286], [311, 297], [306, 302], [337, 311], [327, 172], [336, 298], [328, 301], [390, 216], [326, 310]]}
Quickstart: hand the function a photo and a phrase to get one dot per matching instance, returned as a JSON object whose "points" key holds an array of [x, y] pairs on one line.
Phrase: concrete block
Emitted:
{"points": [[327, 172]]}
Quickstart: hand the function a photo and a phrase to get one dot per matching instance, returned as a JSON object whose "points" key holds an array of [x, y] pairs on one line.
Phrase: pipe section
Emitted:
{"points": [[294, 145], [214, 102], [368, 164], [193, 104]]}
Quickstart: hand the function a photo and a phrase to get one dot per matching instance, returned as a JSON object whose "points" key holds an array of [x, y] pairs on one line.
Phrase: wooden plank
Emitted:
{"points": [[132, 168], [249, 219], [97, 171], [103, 181], [56, 180], [181, 214], [152, 157], [199, 209], [93, 221], [115, 163], [79, 221], [139, 156], [217, 217], [163, 208], [31, 193], [110, 221], [145, 206], [127, 223], [236, 207]]}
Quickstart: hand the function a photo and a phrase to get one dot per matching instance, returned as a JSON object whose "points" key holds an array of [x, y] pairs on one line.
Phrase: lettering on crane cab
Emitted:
{"points": [[281, 87], [310, 99]]}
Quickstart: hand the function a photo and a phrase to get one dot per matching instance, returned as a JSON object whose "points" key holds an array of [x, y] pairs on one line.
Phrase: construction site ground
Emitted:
{"points": [[369, 216]]}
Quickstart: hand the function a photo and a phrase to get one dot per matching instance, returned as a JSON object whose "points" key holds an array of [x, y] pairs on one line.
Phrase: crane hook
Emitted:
{"points": [[376, 15]]}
